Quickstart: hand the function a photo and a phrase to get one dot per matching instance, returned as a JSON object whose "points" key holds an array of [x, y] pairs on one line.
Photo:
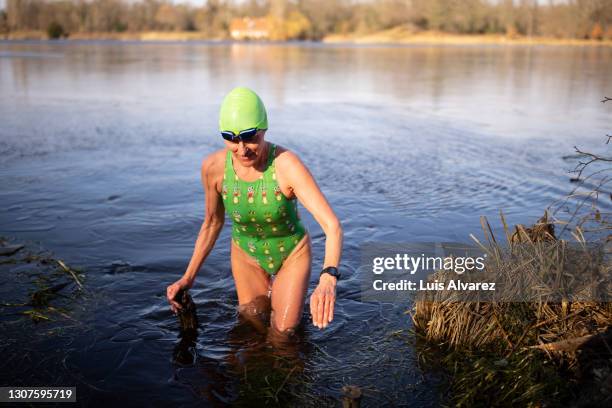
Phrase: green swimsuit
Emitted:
{"points": [[265, 224]]}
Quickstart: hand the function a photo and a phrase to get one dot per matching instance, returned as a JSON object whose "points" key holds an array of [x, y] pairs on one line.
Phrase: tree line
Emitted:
{"points": [[314, 19]]}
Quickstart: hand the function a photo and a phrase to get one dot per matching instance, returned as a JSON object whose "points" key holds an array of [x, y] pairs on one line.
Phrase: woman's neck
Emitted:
{"points": [[262, 160]]}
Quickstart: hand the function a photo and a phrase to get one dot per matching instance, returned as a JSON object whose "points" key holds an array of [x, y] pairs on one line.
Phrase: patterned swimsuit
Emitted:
{"points": [[266, 224]]}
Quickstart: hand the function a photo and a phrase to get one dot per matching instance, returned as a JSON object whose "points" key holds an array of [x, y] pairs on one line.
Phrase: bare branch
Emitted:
{"points": [[586, 204], [574, 193], [583, 165], [581, 198]]}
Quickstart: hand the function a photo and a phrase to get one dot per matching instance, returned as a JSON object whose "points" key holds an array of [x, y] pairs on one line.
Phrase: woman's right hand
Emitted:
{"points": [[173, 290]]}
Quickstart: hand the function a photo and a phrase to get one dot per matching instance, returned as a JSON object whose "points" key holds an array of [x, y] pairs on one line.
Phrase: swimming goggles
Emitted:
{"points": [[246, 135]]}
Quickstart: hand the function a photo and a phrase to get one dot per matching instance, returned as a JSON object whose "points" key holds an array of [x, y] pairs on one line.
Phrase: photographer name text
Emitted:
{"points": [[452, 284]]}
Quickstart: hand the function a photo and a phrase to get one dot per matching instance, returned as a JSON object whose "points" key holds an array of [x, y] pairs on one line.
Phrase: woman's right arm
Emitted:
{"points": [[214, 217]]}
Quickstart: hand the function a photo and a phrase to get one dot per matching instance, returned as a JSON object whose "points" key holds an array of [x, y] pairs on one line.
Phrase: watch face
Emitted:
{"points": [[332, 271]]}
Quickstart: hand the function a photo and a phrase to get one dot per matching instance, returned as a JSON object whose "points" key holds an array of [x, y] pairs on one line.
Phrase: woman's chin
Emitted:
{"points": [[247, 161]]}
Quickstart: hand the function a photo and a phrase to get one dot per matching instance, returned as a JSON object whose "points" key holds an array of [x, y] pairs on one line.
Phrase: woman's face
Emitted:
{"points": [[248, 153]]}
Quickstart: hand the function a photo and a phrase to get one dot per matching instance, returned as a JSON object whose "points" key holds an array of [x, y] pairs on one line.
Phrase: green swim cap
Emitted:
{"points": [[242, 109]]}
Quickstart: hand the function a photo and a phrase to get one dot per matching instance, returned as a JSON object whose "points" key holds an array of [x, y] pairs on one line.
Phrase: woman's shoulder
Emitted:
{"points": [[284, 158], [214, 163], [287, 161]]}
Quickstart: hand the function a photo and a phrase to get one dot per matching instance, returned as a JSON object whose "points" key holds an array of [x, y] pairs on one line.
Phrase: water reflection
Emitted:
{"points": [[256, 370]]}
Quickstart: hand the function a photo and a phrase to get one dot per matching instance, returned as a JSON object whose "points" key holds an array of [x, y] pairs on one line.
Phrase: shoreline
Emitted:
{"points": [[394, 36], [400, 36], [113, 36]]}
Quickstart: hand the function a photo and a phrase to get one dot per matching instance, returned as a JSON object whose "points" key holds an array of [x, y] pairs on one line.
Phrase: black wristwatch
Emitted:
{"points": [[333, 271]]}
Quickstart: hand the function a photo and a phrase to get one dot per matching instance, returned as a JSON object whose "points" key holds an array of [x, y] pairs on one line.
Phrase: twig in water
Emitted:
{"points": [[60, 313], [565, 345], [14, 304], [283, 383], [67, 269], [554, 318]]}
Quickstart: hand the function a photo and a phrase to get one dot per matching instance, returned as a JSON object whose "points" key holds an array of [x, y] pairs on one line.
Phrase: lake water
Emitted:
{"points": [[101, 144]]}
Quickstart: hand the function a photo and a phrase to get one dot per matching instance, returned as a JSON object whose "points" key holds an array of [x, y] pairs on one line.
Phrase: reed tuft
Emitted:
{"points": [[528, 340]]}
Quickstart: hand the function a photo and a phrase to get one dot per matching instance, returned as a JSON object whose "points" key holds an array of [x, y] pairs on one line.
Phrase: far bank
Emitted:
{"points": [[389, 37]]}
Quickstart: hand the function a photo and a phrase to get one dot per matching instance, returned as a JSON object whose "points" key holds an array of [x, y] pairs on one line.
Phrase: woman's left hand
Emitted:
{"points": [[322, 301], [173, 290]]}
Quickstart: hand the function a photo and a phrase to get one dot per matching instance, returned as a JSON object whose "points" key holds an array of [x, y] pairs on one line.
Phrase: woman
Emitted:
{"points": [[257, 183]]}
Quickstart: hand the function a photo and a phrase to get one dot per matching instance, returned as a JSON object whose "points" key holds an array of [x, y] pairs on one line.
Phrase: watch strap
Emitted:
{"points": [[332, 270]]}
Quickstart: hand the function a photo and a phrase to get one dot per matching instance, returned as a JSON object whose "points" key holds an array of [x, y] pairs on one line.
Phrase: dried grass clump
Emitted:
{"points": [[524, 344], [547, 291]]}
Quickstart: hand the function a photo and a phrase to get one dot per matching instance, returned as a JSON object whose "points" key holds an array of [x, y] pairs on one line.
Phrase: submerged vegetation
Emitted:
{"points": [[40, 287]]}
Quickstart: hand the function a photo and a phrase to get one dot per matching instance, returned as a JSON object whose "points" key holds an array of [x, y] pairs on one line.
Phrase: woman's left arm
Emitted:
{"points": [[305, 188]]}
